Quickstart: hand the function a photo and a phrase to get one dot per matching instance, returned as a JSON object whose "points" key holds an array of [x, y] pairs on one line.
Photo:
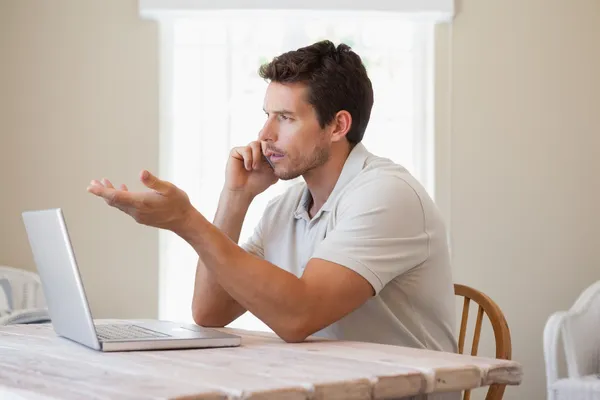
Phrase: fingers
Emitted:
{"points": [[246, 153], [105, 189], [154, 183], [251, 155], [256, 154], [107, 183], [112, 196]]}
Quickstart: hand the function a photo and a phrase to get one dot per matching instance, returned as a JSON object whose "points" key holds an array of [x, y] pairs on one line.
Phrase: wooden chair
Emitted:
{"points": [[499, 325]]}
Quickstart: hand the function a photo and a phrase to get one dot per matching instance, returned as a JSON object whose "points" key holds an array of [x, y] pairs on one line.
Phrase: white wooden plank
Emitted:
{"points": [[441, 371], [493, 370], [70, 377], [15, 393]]}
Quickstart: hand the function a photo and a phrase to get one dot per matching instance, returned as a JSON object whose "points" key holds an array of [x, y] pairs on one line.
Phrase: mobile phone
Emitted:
{"points": [[268, 162]]}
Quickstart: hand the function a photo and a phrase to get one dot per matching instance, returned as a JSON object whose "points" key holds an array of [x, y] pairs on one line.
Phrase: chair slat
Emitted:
{"points": [[477, 332], [463, 326]]}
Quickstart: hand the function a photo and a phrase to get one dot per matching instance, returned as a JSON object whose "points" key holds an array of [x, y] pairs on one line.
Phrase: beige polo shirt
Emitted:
{"points": [[381, 223]]}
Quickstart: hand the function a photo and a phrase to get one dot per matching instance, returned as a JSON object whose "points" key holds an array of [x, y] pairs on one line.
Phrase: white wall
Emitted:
{"points": [[524, 145], [79, 100]]}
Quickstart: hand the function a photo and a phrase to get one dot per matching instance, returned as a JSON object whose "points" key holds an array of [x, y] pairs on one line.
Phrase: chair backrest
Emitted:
{"points": [[20, 290], [499, 325], [580, 327]]}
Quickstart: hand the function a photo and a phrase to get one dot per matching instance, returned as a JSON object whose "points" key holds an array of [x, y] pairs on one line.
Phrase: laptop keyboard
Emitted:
{"points": [[124, 331]]}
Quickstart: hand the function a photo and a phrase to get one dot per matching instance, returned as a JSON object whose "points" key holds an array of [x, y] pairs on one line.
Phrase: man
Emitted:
{"points": [[357, 251]]}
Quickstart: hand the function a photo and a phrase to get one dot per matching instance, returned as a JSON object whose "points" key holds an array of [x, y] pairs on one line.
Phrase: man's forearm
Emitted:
{"points": [[275, 296], [211, 304]]}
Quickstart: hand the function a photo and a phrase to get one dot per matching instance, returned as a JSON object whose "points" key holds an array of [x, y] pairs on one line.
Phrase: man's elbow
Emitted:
{"points": [[207, 319], [292, 337], [295, 332]]}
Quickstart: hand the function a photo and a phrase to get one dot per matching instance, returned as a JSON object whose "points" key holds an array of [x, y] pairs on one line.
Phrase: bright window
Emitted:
{"points": [[214, 99]]}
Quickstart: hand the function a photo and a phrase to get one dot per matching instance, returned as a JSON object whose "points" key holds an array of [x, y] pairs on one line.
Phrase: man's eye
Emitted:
{"points": [[283, 117]]}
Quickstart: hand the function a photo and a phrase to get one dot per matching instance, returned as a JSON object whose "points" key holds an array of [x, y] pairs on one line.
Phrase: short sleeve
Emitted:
{"points": [[379, 232], [254, 245]]}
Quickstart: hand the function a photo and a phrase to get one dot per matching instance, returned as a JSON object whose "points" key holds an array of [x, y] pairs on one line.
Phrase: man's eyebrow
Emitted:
{"points": [[282, 111]]}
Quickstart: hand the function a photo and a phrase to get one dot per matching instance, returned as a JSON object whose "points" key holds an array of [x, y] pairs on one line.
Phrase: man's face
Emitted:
{"points": [[291, 136]]}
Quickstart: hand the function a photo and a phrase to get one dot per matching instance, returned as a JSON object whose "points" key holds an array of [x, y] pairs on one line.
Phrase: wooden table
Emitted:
{"points": [[35, 363]]}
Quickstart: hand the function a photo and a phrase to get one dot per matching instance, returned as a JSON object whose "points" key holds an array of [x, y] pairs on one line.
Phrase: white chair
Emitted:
{"points": [[580, 331], [20, 291]]}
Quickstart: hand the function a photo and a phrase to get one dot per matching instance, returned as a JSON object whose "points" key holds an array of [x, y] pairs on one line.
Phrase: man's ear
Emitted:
{"points": [[340, 125]]}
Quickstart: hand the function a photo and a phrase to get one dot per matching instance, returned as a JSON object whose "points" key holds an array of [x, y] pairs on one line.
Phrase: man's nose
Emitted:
{"points": [[268, 132]]}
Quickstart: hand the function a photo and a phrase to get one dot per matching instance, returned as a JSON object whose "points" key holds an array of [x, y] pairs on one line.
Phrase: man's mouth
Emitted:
{"points": [[271, 155]]}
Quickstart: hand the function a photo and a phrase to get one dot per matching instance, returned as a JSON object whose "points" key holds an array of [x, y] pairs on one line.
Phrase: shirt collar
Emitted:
{"points": [[352, 167]]}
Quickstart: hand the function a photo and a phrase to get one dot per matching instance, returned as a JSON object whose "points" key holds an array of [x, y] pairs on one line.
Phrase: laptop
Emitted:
{"points": [[69, 310]]}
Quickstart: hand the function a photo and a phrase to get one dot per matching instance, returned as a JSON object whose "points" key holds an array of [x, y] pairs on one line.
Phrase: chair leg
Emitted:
{"points": [[495, 392]]}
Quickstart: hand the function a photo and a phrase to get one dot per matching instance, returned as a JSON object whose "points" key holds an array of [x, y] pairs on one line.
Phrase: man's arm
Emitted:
{"points": [[211, 304], [293, 307]]}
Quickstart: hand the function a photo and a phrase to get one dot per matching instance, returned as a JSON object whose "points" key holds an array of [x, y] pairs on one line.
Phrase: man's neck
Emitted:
{"points": [[321, 181]]}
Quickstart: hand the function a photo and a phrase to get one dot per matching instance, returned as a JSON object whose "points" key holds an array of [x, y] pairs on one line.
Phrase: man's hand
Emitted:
{"points": [[248, 171], [165, 206]]}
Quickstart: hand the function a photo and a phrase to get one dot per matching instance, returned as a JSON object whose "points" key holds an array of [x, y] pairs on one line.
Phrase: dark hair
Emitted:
{"points": [[336, 79]]}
